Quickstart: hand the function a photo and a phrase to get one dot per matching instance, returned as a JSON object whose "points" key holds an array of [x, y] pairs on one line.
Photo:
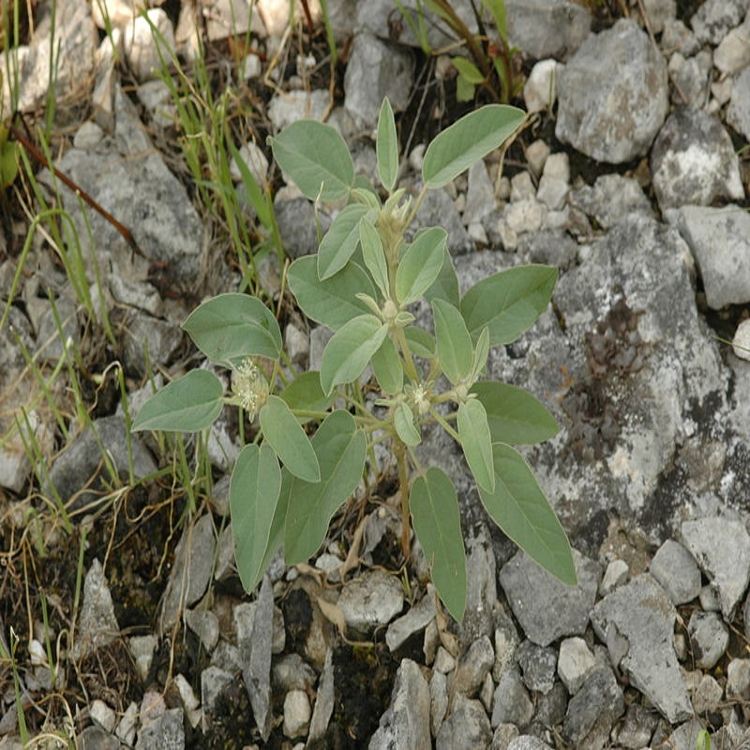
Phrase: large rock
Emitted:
{"points": [[547, 28], [719, 239], [637, 623], [693, 161], [613, 95]]}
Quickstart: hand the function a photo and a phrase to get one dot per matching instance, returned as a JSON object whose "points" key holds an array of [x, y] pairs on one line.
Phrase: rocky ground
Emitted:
{"points": [[129, 626]]}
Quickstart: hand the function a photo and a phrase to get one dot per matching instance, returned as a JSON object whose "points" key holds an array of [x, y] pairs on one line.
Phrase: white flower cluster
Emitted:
{"points": [[250, 387]]}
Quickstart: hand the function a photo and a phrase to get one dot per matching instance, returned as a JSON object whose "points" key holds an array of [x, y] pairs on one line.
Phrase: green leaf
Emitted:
{"points": [[499, 15], [481, 352], [374, 256], [514, 416], [341, 451], [316, 157], [332, 302], [186, 405], [283, 433], [421, 343], [253, 497], [467, 70], [508, 302], [340, 241], [387, 147], [437, 524], [258, 197], [403, 420], [466, 141], [446, 284], [474, 436], [465, 90], [518, 506], [420, 265], [304, 393], [232, 327], [349, 351], [453, 341], [386, 364]]}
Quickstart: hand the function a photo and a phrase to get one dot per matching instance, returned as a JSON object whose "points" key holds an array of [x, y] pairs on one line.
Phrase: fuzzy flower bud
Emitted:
{"points": [[250, 387]]}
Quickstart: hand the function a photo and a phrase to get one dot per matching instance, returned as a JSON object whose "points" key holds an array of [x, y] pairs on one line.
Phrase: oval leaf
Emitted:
{"points": [[514, 416], [403, 419], [518, 506], [466, 141], [386, 364], [253, 497], [508, 302], [437, 524], [468, 70], [349, 351], [284, 434], [340, 241], [453, 341], [446, 285], [315, 156], [374, 256], [420, 265], [334, 301], [481, 352], [341, 451], [421, 343], [186, 405], [474, 435], [232, 327], [387, 147], [305, 393]]}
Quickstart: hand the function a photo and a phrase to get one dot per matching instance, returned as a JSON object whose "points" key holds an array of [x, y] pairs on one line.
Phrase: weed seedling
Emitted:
{"points": [[362, 284]]}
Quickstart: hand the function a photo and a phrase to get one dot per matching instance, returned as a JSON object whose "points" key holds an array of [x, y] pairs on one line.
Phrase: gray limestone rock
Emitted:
{"points": [[575, 663], [691, 78], [547, 28], [415, 620], [376, 69], [438, 701], [719, 241], [722, 548], [593, 710], [714, 18], [288, 107], [538, 666], [82, 460], [546, 608], [738, 113], [371, 601], [146, 339], [637, 727], [97, 624], [709, 638], [481, 588], [466, 726], [205, 624], [677, 572], [637, 623], [511, 703], [324, 701], [473, 667], [738, 679], [438, 209], [613, 95], [406, 723], [611, 199], [291, 672], [126, 175], [480, 196], [96, 738], [166, 731], [191, 572], [297, 713], [693, 161], [213, 682], [733, 52], [254, 638], [527, 742]]}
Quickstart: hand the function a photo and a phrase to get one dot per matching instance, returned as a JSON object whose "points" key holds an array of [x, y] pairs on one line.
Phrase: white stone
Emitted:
{"points": [[557, 166], [142, 47], [126, 728], [142, 647], [525, 216], [536, 156], [187, 694], [552, 192], [521, 187], [256, 162], [444, 662], [297, 713], [575, 663], [252, 67], [112, 12], [540, 91], [88, 136], [616, 574], [733, 52], [741, 340]]}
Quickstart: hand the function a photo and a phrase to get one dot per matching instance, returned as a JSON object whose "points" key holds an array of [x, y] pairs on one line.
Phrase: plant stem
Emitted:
{"points": [[403, 481]]}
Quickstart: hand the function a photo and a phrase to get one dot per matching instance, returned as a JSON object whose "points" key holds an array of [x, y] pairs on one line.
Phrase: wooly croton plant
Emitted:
{"points": [[315, 430]]}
